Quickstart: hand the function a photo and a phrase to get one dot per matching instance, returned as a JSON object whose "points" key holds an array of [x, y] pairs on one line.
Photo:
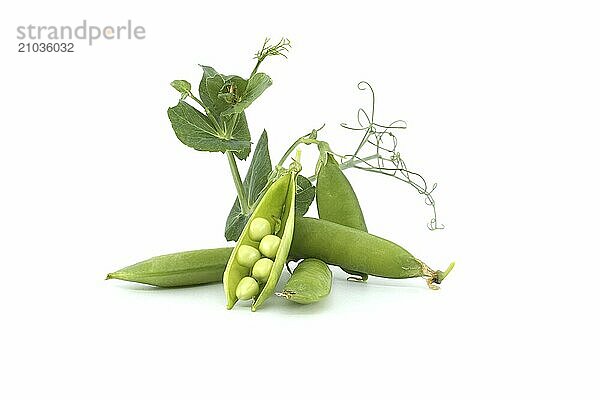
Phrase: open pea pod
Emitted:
{"points": [[277, 207]]}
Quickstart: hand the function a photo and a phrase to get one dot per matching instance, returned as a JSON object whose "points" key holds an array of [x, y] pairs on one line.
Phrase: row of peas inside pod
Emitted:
{"points": [[259, 261], [256, 263]]}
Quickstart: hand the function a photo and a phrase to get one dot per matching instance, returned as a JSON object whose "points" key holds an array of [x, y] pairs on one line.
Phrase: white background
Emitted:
{"points": [[501, 100]]}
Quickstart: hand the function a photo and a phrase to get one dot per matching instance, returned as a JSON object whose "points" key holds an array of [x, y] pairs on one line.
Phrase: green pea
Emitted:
{"points": [[276, 204], [259, 228], [179, 269], [262, 269], [247, 255], [309, 283], [269, 246], [359, 251], [247, 288], [337, 202]]}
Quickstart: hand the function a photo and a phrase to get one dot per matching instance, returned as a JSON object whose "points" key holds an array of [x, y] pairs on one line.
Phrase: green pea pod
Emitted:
{"points": [[276, 206], [359, 251], [337, 201], [309, 283], [178, 269]]}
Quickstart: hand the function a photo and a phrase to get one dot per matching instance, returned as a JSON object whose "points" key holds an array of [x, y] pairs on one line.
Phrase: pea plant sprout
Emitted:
{"points": [[220, 125]]}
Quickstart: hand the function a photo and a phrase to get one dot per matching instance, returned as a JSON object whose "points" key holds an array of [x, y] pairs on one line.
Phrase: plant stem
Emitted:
{"points": [[206, 110], [197, 100], [440, 275], [256, 67], [237, 180], [348, 164], [355, 161], [301, 140], [233, 122], [289, 151]]}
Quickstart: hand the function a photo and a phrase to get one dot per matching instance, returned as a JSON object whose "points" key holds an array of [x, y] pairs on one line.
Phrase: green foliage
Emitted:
{"points": [[183, 87], [223, 126], [305, 194], [226, 95], [254, 87], [195, 130], [255, 181]]}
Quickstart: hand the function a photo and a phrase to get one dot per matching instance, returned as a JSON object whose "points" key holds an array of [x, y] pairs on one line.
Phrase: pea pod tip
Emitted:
{"points": [[441, 275]]}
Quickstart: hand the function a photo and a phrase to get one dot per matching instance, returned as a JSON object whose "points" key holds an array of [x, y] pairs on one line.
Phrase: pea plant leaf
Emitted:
{"points": [[232, 90], [195, 130], [257, 84], [255, 181], [183, 87], [225, 95], [305, 194], [210, 86], [236, 128]]}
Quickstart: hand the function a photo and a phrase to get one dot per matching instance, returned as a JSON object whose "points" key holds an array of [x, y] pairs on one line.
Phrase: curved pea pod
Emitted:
{"points": [[277, 206], [359, 251], [309, 283], [179, 269], [337, 201]]}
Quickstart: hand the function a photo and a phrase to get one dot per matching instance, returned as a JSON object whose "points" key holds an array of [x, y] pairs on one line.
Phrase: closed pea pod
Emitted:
{"points": [[337, 202], [359, 251], [277, 207], [179, 269], [309, 283]]}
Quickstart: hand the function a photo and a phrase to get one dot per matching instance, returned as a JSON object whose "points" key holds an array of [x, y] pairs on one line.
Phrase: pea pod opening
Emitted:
{"points": [[337, 202], [360, 251], [277, 207]]}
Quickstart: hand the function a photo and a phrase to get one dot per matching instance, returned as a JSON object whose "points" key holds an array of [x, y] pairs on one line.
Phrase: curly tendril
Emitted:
{"points": [[278, 49], [386, 159], [268, 50]]}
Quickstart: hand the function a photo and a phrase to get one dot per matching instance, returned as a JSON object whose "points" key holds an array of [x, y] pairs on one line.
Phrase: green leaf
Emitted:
{"points": [[239, 131], [257, 84], [255, 181], [195, 130], [183, 87], [209, 89], [305, 194], [233, 89]]}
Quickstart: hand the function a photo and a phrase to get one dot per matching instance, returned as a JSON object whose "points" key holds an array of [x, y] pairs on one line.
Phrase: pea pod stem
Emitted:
{"points": [[348, 164], [355, 161], [306, 139], [441, 275], [433, 278], [301, 140]]}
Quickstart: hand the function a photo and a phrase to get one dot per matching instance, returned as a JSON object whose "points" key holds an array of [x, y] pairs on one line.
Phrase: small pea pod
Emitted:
{"points": [[277, 207], [359, 251], [337, 201], [309, 283], [179, 269]]}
